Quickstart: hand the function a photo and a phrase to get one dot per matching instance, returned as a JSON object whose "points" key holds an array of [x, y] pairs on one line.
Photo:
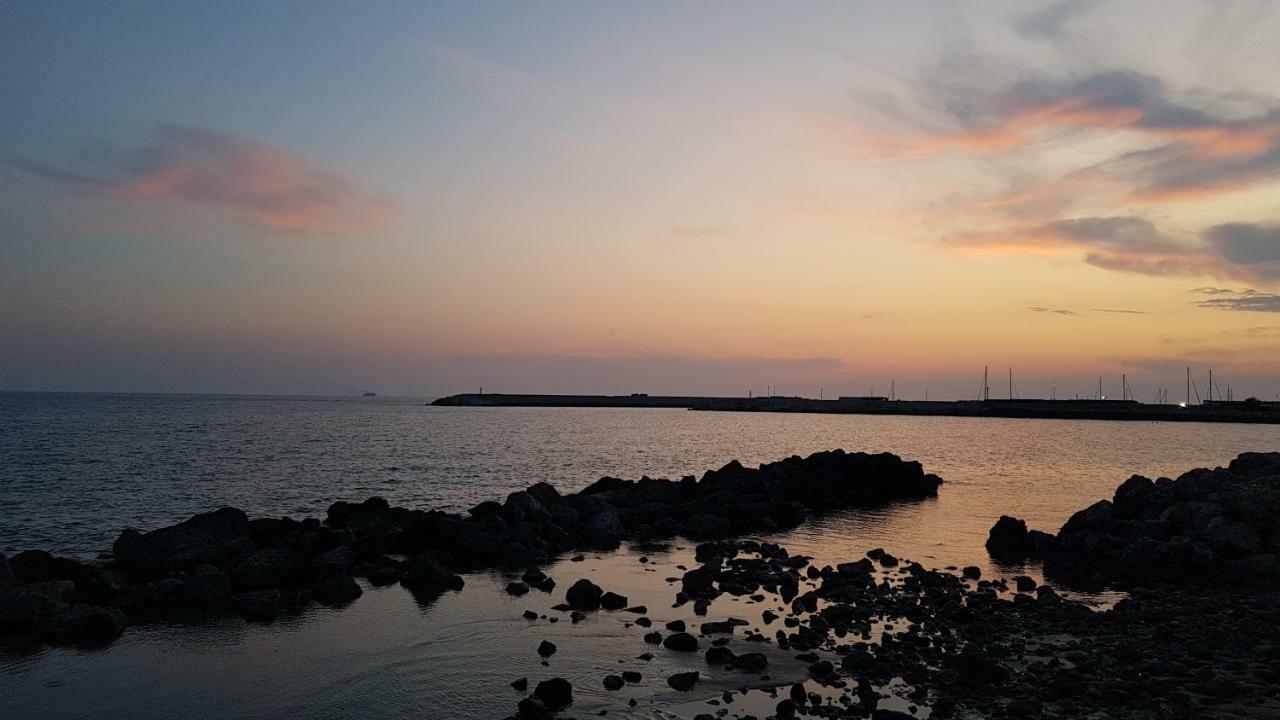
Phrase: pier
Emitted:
{"points": [[1245, 411]]}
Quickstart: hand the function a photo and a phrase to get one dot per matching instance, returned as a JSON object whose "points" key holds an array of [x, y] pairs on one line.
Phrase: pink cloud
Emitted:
{"points": [[267, 186]]}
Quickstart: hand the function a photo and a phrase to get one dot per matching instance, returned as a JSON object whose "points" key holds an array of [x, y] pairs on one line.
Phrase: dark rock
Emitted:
{"points": [[211, 538], [653, 638], [613, 682], [676, 625], [336, 587], [1007, 540], [584, 595], [601, 526], [259, 606], [976, 668], [267, 568], [556, 693], [751, 662], [704, 525], [87, 625], [682, 642], [521, 684], [1025, 583], [425, 577], [206, 585], [720, 656], [384, 576], [27, 608], [1132, 495], [546, 648], [340, 559], [684, 681], [517, 588], [973, 572], [613, 601], [37, 566], [798, 694], [714, 628], [522, 507]]}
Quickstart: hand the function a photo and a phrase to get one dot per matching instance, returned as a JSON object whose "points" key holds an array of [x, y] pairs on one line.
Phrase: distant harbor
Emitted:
{"points": [[1237, 411]]}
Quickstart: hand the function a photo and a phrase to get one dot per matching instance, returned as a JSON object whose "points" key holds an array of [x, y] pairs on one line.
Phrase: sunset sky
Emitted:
{"points": [[705, 198]]}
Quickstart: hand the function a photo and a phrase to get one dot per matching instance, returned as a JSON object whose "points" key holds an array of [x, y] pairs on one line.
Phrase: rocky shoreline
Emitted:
{"points": [[877, 637], [951, 644], [881, 633], [222, 561], [1205, 528]]}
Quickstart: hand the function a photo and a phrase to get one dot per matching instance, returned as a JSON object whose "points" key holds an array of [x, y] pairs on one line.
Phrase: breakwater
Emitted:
{"points": [[1229, 412]]}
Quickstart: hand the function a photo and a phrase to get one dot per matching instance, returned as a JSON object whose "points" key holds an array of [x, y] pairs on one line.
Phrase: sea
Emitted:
{"points": [[75, 469]]}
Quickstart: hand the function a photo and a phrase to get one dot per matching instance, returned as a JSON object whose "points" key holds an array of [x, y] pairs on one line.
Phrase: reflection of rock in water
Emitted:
{"points": [[890, 640], [223, 561]]}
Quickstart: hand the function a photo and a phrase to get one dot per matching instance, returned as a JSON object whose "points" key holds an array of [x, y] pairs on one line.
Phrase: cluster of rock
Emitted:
{"points": [[1207, 526], [223, 561], [963, 646]]}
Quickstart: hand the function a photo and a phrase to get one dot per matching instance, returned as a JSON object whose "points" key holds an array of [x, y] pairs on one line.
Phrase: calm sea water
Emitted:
{"points": [[75, 469]]}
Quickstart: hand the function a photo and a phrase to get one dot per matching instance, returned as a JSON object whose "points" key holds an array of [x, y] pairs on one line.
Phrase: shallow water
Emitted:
{"points": [[75, 469]]}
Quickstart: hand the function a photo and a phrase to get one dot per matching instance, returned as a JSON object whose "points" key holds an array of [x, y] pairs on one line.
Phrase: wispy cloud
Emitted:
{"points": [[1118, 311], [1051, 20], [1193, 150], [265, 185], [1144, 143], [1233, 251], [1051, 311], [1239, 301]]}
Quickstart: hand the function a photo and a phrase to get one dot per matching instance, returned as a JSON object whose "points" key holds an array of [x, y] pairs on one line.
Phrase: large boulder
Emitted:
{"points": [[1132, 495], [212, 538], [426, 577], [206, 585], [372, 518], [1208, 526], [32, 566], [275, 565], [521, 507], [584, 595], [1007, 539], [600, 525], [549, 697]]}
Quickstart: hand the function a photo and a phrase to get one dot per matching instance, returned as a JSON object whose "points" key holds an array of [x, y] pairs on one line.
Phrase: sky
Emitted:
{"points": [[699, 198]]}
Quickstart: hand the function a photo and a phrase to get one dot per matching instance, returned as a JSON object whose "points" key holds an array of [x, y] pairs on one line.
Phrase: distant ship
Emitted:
{"points": [[371, 394]]}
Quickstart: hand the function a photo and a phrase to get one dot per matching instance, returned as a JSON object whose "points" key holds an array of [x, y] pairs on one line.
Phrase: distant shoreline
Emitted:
{"points": [[1217, 412]]}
